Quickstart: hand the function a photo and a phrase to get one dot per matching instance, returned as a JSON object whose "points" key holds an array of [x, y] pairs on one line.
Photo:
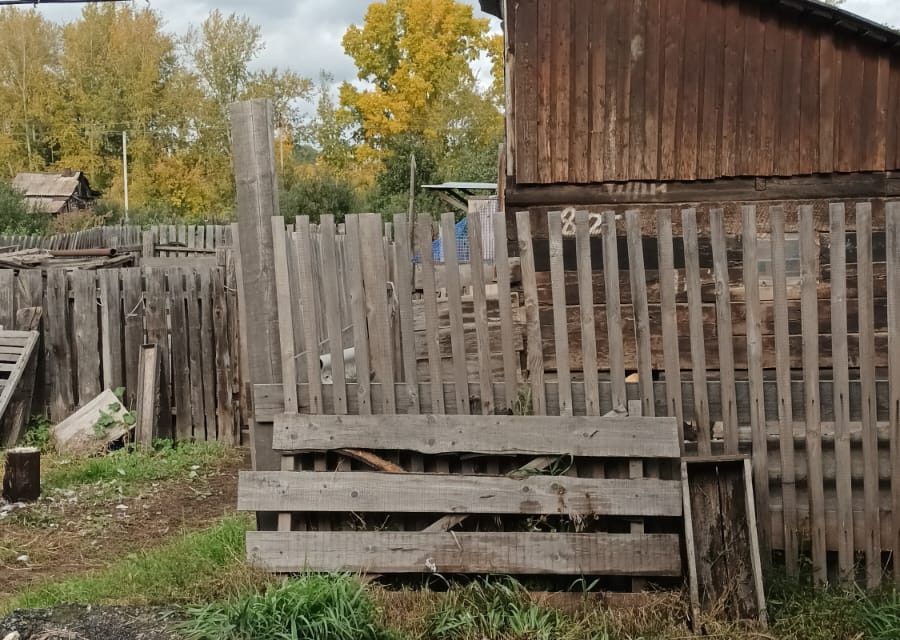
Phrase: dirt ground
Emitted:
{"points": [[70, 533]]}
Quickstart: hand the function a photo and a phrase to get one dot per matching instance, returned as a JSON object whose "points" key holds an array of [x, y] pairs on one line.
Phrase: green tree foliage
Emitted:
{"points": [[318, 193], [15, 216]]}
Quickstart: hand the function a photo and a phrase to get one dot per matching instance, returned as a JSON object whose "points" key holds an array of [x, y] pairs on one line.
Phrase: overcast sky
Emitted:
{"points": [[305, 35]]}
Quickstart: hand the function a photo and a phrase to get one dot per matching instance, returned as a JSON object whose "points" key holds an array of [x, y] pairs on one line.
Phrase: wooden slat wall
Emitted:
{"points": [[198, 239], [693, 89], [821, 435], [96, 322]]}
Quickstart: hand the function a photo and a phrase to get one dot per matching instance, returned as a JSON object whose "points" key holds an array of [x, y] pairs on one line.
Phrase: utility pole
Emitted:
{"points": [[125, 169]]}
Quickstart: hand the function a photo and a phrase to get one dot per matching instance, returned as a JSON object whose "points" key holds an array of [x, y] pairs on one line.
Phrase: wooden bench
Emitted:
{"points": [[586, 444]]}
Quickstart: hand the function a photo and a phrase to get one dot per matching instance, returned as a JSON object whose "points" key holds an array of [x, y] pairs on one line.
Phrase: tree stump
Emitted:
{"points": [[22, 478]]}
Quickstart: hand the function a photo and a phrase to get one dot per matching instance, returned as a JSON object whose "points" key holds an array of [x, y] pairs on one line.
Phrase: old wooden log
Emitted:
{"points": [[22, 478]]}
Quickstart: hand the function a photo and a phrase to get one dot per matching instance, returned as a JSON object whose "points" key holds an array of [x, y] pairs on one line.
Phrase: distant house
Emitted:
{"points": [[55, 193]]}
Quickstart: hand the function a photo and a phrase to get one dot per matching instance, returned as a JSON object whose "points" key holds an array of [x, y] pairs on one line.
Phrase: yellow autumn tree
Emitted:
{"points": [[416, 65]]}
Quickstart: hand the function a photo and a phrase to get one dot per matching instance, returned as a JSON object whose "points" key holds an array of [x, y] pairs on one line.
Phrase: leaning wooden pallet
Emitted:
{"points": [[16, 348]]}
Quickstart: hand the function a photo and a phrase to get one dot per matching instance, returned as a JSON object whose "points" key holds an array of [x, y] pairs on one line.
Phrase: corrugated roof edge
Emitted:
{"points": [[838, 17]]}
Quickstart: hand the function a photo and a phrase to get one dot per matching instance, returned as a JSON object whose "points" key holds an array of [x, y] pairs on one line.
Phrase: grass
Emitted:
{"points": [[199, 567], [317, 607], [134, 466]]}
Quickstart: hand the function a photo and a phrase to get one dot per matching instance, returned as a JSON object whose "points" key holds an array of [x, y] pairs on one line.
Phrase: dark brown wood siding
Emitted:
{"points": [[620, 90]]}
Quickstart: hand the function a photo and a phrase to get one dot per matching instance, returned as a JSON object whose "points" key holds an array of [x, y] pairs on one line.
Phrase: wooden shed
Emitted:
{"points": [[697, 100]]}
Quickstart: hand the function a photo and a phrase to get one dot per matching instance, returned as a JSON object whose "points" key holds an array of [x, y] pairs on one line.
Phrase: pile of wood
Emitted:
{"points": [[73, 259]]}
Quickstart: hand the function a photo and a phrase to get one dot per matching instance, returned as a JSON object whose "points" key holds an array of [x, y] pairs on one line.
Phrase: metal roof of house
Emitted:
{"points": [[47, 185], [839, 18]]}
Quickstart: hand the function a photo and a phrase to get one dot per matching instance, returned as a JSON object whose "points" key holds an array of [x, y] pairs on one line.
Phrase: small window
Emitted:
{"points": [[791, 259]]}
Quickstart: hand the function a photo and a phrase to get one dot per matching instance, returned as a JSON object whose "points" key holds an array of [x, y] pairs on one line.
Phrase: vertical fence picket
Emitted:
{"points": [[454, 302], [615, 346], [133, 314], [586, 313], [785, 404], [560, 320], [638, 278], [755, 373], [868, 398], [724, 330], [329, 275], [285, 315], [892, 220], [207, 351], [535, 355], [304, 257], [86, 334], [59, 346], [482, 329], [809, 268], [7, 292], [841, 399], [181, 364], [429, 304], [671, 357], [405, 283], [697, 337], [111, 327], [373, 265], [501, 263]]}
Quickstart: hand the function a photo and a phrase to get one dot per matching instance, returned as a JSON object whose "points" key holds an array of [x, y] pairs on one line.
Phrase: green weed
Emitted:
{"points": [[496, 609], [198, 567], [38, 433], [132, 466], [314, 607]]}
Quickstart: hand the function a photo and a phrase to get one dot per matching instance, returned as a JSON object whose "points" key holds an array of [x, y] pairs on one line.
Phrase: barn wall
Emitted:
{"points": [[693, 89]]}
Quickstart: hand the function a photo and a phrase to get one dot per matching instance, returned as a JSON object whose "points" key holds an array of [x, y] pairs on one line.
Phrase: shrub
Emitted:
{"points": [[316, 194]]}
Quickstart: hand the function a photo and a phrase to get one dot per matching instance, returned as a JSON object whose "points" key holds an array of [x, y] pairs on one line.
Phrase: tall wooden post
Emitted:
{"points": [[253, 144]]}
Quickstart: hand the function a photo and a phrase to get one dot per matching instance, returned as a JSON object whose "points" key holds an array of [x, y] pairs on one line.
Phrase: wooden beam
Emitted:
{"points": [[496, 435], [362, 492], [257, 202], [445, 553]]}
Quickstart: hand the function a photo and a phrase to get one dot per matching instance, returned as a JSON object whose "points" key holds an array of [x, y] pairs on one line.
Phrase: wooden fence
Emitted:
{"points": [[95, 322], [198, 238], [778, 337]]}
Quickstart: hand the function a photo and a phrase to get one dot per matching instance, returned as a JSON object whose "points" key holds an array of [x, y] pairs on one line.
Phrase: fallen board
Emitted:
{"points": [[361, 492], [21, 345], [493, 435], [446, 553], [77, 435]]}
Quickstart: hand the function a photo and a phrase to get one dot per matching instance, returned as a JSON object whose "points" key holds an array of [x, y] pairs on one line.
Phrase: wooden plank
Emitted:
{"points": [[226, 430], [368, 492], [614, 313], [785, 401], [111, 327], [330, 276], [735, 39], [544, 92], [892, 233], [454, 303], [560, 327], [59, 346], [754, 363], [252, 126], [841, 372], [711, 96], [724, 328], [809, 102], [497, 435], [375, 279], [181, 362], [501, 261], [868, 398], [429, 294], [476, 258], [285, 314], [689, 102], [535, 356], [788, 117], [358, 314], [147, 405], [87, 334], [404, 286], [523, 23], [7, 298], [698, 340], [580, 134], [809, 275], [207, 350], [192, 298], [599, 171], [446, 553], [561, 80], [308, 302], [613, 94], [585, 312], [673, 61], [133, 330], [669, 330], [18, 386], [638, 279], [652, 47]]}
